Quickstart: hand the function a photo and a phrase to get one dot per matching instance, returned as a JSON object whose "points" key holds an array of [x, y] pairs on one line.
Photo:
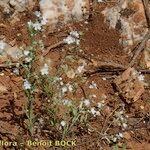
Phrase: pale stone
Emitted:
{"points": [[131, 15], [129, 86], [60, 12], [147, 54]]}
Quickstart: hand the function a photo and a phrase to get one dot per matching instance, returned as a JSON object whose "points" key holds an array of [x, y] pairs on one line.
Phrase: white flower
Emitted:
{"points": [[93, 85], [26, 84], [74, 34], [97, 113], [100, 104], [61, 83], [66, 102], [99, 1], [26, 52], [69, 40], [16, 71], [30, 24], [62, 123], [60, 78], [114, 139], [86, 102], [80, 69], [93, 111], [64, 89], [141, 77], [44, 21], [70, 89], [44, 70], [2, 45], [104, 78], [119, 135], [28, 59], [72, 38], [94, 96], [37, 26], [124, 125], [37, 13]]}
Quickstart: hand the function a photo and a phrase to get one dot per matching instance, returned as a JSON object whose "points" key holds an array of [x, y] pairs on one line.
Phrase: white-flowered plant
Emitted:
{"points": [[26, 85], [72, 38], [26, 52], [86, 102], [80, 69], [16, 71], [62, 123], [93, 85], [120, 119], [44, 70], [141, 77]]}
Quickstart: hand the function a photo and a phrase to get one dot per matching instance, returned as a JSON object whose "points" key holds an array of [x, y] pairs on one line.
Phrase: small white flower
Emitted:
{"points": [[80, 69], [124, 125], [2, 45], [60, 78], [94, 96], [114, 139], [86, 102], [93, 85], [74, 34], [28, 59], [97, 113], [104, 78], [66, 102], [44, 70], [69, 40], [93, 111], [26, 85], [100, 104], [141, 77], [119, 135], [44, 21], [62, 123], [72, 38], [70, 89], [99, 1], [37, 26], [30, 24], [37, 13], [26, 52], [16, 71], [61, 83], [64, 89]]}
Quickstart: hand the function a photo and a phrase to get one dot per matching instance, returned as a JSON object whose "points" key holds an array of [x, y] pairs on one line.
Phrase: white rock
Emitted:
{"points": [[56, 11]]}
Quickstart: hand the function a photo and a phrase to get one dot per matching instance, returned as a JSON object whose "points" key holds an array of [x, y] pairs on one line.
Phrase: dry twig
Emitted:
{"points": [[147, 11], [140, 48], [52, 47]]}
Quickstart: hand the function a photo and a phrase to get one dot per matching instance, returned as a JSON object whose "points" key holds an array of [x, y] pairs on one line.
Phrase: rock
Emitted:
{"points": [[131, 17], [129, 85], [60, 12], [147, 54], [10, 53], [16, 5], [4, 4], [19, 5]]}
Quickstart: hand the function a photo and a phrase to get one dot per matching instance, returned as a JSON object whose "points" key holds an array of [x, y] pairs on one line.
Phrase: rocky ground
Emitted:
{"points": [[86, 80]]}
